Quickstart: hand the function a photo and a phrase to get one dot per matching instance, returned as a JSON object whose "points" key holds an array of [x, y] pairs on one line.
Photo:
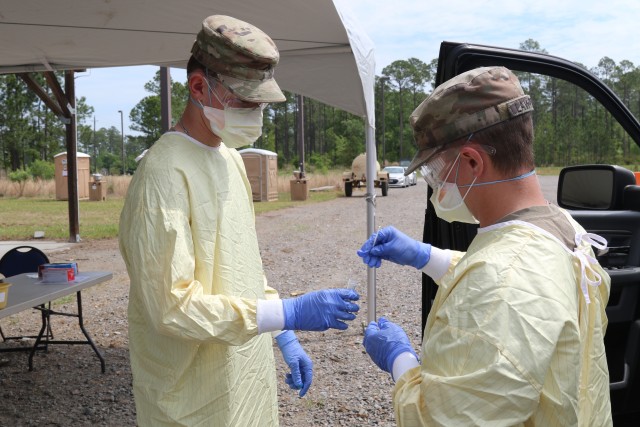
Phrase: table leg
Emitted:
{"points": [[86, 334], [46, 316], [45, 323]]}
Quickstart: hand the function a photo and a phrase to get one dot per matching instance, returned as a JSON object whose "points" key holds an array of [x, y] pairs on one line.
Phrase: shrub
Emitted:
{"points": [[41, 169], [322, 162], [20, 177]]}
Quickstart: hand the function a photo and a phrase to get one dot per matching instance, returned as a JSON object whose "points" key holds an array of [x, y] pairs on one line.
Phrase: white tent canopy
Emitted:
{"points": [[324, 54]]}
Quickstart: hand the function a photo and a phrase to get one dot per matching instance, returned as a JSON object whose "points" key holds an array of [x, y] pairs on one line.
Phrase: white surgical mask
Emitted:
{"points": [[236, 126], [449, 204], [457, 210]]}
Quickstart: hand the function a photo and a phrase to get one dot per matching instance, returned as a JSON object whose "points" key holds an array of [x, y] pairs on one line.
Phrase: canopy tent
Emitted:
{"points": [[324, 54]]}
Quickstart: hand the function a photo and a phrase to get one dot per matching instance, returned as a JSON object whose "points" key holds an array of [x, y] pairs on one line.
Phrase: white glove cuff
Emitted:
{"points": [[269, 315], [274, 334], [438, 264], [402, 364]]}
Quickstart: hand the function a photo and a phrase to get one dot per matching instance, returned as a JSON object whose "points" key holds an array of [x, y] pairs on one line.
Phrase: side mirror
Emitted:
{"points": [[593, 187]]}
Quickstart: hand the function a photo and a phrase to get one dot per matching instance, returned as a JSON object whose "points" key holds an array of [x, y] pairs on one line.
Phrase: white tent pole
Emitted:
{"points": [[371, 171], [363, 53]]}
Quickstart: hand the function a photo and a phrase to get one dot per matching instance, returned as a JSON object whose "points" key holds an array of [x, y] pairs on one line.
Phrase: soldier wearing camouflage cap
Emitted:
{"points": [[243, 57], [201, 315], [515, 333], [232, 68], [467, 103]]}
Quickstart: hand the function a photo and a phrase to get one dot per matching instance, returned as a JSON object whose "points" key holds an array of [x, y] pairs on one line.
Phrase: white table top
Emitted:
{"points": [[28, 291]]}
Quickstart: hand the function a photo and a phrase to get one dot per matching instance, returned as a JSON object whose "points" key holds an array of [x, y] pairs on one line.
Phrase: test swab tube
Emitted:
{"points": [[375, 239]]}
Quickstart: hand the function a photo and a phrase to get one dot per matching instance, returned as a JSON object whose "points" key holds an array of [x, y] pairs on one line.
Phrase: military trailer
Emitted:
{"points": [[357, 176]]}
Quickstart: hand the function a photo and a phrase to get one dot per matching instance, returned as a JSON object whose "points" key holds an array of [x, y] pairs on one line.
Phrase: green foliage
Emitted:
{"points": [[321, 162], [570, 126], [146, 118], [410, 77], [41, 169], [19, 175]]}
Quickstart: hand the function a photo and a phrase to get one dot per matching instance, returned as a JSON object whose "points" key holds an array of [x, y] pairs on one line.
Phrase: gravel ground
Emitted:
{"points": [[303, 249]]}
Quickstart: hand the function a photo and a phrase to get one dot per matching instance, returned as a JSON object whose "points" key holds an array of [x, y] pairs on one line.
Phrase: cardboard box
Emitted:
{"points": [[299, 189], [4, 294], [57, 275], [59, 272], [98, 191]]}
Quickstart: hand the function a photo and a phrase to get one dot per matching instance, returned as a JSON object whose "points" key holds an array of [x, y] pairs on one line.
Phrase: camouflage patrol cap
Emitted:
{"points": [[242, 55], [468, 103]]}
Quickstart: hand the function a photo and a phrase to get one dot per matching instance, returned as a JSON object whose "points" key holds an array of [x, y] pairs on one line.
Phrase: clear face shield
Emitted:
{"points": [[228, 99], [433, 171], [437, 170]]}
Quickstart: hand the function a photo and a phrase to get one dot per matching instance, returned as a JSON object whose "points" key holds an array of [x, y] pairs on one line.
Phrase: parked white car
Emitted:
{"points": [[396, 176], [413, 177]]}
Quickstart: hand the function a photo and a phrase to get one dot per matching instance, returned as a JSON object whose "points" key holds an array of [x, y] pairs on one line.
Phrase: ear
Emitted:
{"points": [[197, 86], [474, 158]]}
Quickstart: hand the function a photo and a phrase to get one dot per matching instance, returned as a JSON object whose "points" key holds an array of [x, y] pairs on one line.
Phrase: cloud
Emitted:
{"points": [[582, 31]]}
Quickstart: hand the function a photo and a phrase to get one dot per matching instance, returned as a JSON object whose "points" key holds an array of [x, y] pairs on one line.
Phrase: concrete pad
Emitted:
{"points": [[46, 246]]}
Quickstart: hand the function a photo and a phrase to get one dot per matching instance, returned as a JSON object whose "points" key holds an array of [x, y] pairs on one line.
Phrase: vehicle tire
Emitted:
{"points": [[348, 188], [385, 188]]}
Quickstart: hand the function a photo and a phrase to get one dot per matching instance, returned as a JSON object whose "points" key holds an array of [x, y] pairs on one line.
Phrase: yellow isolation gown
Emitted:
{"points": [[510, 331], [187, 235]]}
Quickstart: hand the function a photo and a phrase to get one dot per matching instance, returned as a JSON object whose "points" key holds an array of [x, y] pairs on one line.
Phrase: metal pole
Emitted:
{"points": [[72, 164], [383, 80], [300, 102], [122, 133], [371, 171], [165, 99], [95, 149]]}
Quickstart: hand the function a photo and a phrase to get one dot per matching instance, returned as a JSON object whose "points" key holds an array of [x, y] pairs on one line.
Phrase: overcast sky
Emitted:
{"points": [[582, 31]]}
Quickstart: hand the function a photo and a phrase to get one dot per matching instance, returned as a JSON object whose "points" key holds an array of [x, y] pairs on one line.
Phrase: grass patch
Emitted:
{"points": [[20, 218], [548, 170]]}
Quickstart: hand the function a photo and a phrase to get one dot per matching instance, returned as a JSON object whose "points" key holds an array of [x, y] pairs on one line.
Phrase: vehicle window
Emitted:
{"points": [[394, 169], [572, 128]]}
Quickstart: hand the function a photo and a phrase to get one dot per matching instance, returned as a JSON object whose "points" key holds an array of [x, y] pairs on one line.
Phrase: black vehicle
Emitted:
{"points": [[610, 208]]}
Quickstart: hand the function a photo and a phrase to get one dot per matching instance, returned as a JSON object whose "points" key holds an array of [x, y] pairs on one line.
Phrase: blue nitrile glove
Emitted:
{"points": [[394, 245], [320, 310], [384, 341], [300, 364]]}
